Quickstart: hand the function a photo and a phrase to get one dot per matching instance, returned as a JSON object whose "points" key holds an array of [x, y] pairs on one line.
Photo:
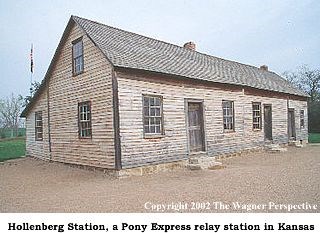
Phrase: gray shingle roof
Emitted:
{"points": [[130, 50]]}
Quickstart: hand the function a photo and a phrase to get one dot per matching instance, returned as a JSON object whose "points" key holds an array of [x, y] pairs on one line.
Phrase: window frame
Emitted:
{"points": [[224, 116], [148, 134], [38, 128], [74, 73], [302, 119], [259, 117], [80, 128]]}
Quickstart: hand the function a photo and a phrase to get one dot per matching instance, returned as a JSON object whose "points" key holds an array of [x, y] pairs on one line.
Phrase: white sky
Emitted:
{"points": [[281, 34]]}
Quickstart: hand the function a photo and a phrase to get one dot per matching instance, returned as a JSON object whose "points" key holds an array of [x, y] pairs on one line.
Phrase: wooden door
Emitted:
{"points": [[195, 127], [291, 125], [268, 122]]}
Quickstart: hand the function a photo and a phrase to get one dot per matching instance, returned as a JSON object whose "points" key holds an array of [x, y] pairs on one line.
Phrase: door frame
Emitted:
{"points": [[264, 125], [186, 105], [293, 124]]}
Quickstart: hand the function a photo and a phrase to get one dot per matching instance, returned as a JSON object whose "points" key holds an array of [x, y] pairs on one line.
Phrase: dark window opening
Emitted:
{"points": [[77, 56], [228, 115], [38, 126], [84, 118], [301, 118], [152, 115], [256, 116]]}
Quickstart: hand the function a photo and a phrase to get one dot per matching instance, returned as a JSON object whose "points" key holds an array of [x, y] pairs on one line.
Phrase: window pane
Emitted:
{"points": [[224, 104], [152, 112], [146, 101], [157, 101], [146, 111], [224, 120], [157, 128], [158, 112], [152, 129], [146, 129], [77, 49], [151, 101], [227, 104], [74, 51], [78, 64]]}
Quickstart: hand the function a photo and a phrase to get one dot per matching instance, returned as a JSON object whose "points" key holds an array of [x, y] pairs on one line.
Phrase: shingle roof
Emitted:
{"points": [[130, 50]]}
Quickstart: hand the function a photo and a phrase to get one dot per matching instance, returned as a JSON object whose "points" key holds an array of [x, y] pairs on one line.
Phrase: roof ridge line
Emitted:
{"points": [[180, 47], [92, 40], [147, 37]]}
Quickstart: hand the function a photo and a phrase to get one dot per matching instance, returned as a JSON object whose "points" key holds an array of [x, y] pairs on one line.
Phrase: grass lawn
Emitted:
{"points": [[12, 148], [314, 137]]}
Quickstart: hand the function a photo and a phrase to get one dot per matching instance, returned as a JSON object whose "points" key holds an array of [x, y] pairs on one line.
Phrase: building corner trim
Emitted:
{"points": [[49, 128], [116, 121]]}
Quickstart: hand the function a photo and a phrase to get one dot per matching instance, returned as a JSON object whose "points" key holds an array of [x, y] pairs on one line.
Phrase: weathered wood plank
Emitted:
{"points": [[137, 150], [65, 92]]}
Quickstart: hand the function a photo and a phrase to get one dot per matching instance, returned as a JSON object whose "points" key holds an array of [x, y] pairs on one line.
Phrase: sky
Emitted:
{"points": [[281, 34]]}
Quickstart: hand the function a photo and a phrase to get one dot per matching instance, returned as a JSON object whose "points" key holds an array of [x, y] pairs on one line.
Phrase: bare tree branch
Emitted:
{"points": [[306, 79], [10, 109]]}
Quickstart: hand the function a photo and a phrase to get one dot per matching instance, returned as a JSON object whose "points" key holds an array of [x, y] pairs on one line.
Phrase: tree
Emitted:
{"points": [[33, 89], [309, 81], [306, 79], [10, 109]]}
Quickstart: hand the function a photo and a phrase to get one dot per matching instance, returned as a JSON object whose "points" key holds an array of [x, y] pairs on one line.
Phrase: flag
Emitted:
{"points": [[31, 59]]}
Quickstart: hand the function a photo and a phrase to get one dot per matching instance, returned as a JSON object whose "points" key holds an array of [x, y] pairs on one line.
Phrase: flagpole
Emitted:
{"points": [[31, 69], [31, 84]]}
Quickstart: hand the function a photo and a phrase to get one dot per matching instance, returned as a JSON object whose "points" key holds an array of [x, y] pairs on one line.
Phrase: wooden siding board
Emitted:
{"points": [[66, 90], [39, 149], [138, 151], [94, 85]]}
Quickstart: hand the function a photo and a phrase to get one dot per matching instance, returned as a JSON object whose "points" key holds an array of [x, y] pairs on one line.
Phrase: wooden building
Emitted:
{"points": [[118, 100]]}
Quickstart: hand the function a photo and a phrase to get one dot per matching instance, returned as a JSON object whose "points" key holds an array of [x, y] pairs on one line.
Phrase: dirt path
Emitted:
{"points": [[293, 177]]}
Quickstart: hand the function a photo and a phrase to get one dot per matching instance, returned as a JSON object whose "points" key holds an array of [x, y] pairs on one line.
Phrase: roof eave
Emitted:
{"points": [[198, 80]]}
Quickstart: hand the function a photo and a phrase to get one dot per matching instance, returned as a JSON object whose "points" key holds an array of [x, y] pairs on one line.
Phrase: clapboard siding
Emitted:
{"points": [[39, 149], [66, 91], [137, 150]]}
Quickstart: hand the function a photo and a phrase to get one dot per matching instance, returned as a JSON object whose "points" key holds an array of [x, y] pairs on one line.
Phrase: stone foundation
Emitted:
{"points": [[199, 162], [140, 171]]}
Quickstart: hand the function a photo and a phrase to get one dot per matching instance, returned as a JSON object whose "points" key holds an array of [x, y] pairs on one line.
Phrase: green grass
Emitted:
{"points": [[314, 137], [12, 148]]}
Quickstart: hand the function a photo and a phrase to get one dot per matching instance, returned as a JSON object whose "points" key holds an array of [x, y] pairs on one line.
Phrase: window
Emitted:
{"points": [[228, 115], [84, 118], [38, 126], [301, 118], [256, 116], [77, 56], [152, 115]]}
